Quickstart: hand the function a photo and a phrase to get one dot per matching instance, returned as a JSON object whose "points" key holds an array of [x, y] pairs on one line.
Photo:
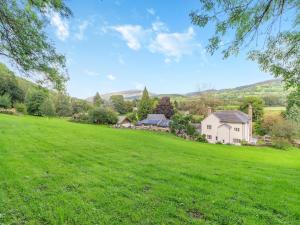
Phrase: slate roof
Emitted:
{"points": [[155, 120], [232, 116]]}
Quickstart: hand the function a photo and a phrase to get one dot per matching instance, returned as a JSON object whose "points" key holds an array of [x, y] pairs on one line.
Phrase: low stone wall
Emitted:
{"points": [[151, 128]]}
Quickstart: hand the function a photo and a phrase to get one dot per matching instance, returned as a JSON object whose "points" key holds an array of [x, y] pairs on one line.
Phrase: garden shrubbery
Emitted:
{"points": [[102, 115]]}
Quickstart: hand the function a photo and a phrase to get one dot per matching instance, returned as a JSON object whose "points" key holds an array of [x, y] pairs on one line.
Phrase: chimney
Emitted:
{"points": [[250, 111], [209, 111], [250, 114]]}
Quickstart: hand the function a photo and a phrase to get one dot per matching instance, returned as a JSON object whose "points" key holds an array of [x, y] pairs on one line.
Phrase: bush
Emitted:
{"points": [[133, 117], [283, 129], [201, 138], [281, 143], [21, 108], [103, 115], [81, 118], [47, 108], [34, 100], [5, 101], [63, 105]]}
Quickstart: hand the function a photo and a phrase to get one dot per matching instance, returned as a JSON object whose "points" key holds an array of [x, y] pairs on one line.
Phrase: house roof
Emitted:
{"points": [[232, 116], [155, 120], [156, 117], [121, 119]]}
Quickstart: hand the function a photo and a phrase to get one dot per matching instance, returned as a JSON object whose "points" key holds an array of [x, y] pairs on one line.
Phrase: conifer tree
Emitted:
{"points": [[145, 106], [97, 100]]}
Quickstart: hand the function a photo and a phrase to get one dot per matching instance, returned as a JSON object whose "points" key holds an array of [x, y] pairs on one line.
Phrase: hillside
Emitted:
{"points": [[86, 174], [273, 88]]}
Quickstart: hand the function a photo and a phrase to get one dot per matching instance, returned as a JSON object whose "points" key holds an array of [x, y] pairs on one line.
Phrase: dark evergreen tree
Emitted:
{"points": [[165, 107]]}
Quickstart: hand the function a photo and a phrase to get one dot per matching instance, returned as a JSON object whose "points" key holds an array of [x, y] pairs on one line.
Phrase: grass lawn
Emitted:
{"points": [[57, 172]]}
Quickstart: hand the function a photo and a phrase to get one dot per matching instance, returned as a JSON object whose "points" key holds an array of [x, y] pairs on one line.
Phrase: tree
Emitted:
{"points": [[47, 107], [118, 103], [24, 41], [9, 85], [257, 105], [5, 101], [293, 99], [165, 107], [256, 21], [80, 106], [97, 100], [103, 115], [145, 105], [63, 105], [181, 125], [34, 100], [294, 114]]}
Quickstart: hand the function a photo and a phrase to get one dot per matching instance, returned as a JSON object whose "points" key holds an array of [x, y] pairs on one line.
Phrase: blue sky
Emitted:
{"points": [[114, 45]]}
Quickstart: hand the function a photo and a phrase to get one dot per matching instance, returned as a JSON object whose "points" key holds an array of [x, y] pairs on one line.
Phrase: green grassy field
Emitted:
{"points": [[57, 172]]}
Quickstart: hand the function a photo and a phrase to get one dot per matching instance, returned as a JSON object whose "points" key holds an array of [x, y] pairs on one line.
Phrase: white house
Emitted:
{"points": [[228, 127]]}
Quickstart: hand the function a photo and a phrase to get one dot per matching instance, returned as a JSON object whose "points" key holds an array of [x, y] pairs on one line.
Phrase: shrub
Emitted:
{"points": [[201, 138], [133, 117], [34, 100], [281, 143], [47, 108], [283, 129], [103, 115], [5, 101], [81, 117], [21, 108], [264, 126], [63, 105]]}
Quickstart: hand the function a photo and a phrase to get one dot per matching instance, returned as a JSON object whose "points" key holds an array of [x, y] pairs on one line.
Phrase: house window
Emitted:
{"points": [[237, 129], [209, 127], [209, 137], [235, 140]]}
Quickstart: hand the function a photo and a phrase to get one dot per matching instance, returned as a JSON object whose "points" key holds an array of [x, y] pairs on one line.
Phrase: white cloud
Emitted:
{"points": [[81, 29], [61, 25], [174, 45], [91, 73], [159, 26], [151, 11], [111, 77], [132, 34], [158, 39]]}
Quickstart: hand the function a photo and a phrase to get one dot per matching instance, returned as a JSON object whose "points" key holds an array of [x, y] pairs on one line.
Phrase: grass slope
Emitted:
{"points": [[56, 172]]}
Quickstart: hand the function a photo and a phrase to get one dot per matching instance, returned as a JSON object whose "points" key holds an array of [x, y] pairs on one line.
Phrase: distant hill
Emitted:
{"points": [[274, 86], [262, 89], [128, 95]]}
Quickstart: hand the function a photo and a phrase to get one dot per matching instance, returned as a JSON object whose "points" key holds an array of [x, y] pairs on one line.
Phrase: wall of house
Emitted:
{"points": [[239, 135], [214, 122]]}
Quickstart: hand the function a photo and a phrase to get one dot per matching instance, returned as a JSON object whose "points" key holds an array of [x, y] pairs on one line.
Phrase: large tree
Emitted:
{"points": [[97, 100], [24, 41], [270, 28], [257, 105], [145, 105], [165, 107]]}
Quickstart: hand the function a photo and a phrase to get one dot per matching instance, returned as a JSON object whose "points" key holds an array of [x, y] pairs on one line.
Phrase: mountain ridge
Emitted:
{"points": [[267, 87]]}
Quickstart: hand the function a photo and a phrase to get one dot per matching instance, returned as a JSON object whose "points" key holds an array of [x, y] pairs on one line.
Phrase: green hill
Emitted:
{"points": [[57, 172], [271, 90]]}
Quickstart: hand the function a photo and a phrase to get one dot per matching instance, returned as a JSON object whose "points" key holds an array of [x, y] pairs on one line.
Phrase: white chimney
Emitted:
{"points": [[250, 114], [209, 111]]}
